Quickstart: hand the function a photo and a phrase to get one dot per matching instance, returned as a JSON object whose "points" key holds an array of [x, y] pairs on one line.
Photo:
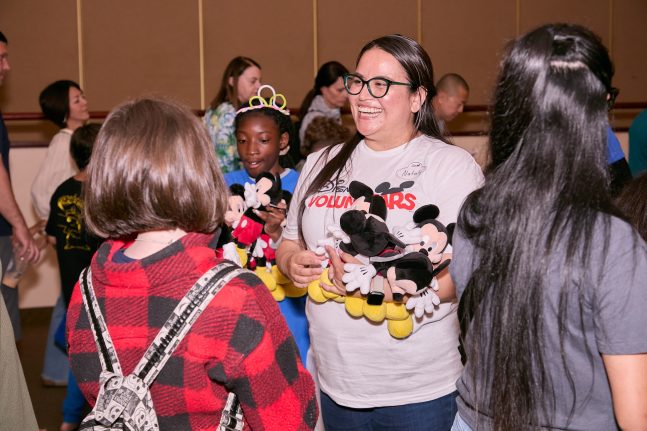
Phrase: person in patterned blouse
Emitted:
{"points": [[161, 219], [241, 80]]}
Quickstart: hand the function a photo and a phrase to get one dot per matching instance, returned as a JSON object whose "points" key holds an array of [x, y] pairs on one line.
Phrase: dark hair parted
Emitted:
{"points": [[327, 75], [547, 185], [633, 203], [55, 101], [416, 63], [153, 168], [228, 92], [82, 142]]}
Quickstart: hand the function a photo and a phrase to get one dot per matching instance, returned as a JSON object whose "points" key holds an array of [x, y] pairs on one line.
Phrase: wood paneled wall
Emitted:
{"points": [[120, 49]]}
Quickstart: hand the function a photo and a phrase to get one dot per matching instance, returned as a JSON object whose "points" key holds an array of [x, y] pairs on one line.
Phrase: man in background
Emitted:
{"points": [[452, 92], [11, 219], [16, 411]]}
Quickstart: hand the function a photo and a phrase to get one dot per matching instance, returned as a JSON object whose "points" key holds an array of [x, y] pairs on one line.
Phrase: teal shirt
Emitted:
{"points": [[220, 125], [638, 144]]}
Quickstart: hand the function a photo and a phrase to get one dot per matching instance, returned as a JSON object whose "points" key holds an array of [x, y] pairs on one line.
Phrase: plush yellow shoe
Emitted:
{"points": [[355, 306], [278, 293], [266, 277], [242, 255], [315, 292], [278, 276], [340, 299], [324, 279], [400, 328], [375, 313], [396, 311], [292, 291]]}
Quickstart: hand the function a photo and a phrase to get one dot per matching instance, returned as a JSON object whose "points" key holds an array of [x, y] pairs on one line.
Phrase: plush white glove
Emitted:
{"points": [[229, 253], [358, 276], [338, 234], [425, 302], [251, 200], [321, 246], [408, 234], [275, 245], [258, 248]]}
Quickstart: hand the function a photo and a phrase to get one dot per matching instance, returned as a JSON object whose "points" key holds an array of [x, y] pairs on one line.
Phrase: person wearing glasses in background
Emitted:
{"points": [[369, 380]]}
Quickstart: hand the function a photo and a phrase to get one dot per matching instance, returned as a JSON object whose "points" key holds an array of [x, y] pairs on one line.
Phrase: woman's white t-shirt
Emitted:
{"points": [[358, 363]]}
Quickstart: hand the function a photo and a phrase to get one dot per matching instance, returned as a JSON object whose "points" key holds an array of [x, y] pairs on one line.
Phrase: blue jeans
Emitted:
{"points": [[460, 424], [56, 364], [435, 415], [74, 403]]}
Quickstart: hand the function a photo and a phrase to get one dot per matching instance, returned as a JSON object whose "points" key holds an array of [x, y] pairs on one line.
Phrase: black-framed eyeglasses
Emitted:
{"points": [[377, 87], [613, 95]]}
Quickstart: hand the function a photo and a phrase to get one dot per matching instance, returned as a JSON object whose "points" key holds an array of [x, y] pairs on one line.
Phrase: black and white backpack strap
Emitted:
{"points": [[105, 347], [125, 402], [182, 319]]}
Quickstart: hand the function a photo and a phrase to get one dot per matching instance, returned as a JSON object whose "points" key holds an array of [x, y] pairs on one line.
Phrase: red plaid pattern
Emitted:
{"points": [[240, 342]]}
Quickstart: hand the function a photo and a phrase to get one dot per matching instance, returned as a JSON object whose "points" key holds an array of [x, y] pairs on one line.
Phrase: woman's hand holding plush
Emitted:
{"points": [[299, 265]]}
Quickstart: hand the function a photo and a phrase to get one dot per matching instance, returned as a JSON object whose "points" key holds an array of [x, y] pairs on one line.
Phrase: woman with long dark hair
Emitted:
{"points": [[368, 379], [326, 97], [240, 81], [552, 280]]}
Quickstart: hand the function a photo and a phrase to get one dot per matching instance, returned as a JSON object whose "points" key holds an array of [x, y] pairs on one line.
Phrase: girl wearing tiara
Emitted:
{"points": [[263, 134]]}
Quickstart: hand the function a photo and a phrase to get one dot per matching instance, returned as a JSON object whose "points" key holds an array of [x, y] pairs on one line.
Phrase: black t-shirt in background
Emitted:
{"points": [[74, 246]]}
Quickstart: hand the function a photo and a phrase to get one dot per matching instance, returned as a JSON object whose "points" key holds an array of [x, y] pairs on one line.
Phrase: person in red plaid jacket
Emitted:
{"points": [[155, 191]]}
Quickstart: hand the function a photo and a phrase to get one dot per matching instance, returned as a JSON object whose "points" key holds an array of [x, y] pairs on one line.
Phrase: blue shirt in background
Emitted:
{"points": [[293, 309], [289, 178], [614, 149]]}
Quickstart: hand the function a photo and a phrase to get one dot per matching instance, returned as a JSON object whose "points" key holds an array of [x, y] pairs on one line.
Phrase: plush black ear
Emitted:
{"points": [[357, 189], [237, 190], [442, 265], [415, 267], [276, 192], [450, 232], [287, 197], [425, 212], [378, 207], [372, 239], [352, 222]]}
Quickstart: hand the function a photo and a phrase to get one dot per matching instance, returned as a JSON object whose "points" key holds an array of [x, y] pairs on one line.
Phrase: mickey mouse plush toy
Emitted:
{"points": [[405, 258], [248, 232]]}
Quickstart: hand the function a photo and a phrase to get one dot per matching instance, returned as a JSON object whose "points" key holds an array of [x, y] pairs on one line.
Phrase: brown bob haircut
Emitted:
{"points": [[153, 168]]}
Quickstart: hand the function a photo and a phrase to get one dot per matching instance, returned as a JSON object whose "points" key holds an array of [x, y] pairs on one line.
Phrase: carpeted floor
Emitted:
{"points": [[47, 401]]}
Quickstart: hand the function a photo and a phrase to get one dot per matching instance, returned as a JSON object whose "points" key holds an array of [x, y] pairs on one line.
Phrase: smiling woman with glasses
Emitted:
{"points": [[367, 376]]}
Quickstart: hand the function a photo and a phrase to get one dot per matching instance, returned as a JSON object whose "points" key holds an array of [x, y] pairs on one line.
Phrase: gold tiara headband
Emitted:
{"points": [[258, 101]]}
